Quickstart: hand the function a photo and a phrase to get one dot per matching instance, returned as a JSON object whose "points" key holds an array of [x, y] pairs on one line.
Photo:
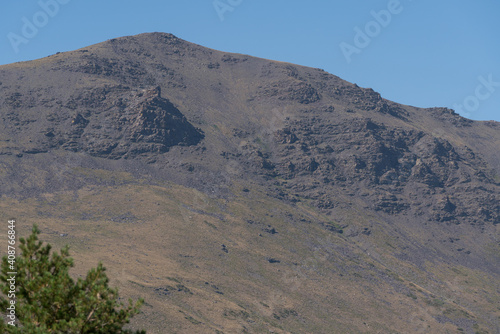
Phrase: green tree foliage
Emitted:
{"points": [[48, 300]]}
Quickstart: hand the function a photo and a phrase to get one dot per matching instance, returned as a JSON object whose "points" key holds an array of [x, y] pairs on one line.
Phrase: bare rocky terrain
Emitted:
{"points": [[243, 195]]}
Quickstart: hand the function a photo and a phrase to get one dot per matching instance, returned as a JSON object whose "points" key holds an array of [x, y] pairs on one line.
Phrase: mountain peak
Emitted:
{"points": [[309, 183]]}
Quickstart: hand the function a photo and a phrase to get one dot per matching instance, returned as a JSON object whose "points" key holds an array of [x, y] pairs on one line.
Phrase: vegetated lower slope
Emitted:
{"points": [[238, 194]]}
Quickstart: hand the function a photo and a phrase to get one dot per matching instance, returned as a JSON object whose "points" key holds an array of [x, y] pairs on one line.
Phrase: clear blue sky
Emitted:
{"points": [[427, 53]]}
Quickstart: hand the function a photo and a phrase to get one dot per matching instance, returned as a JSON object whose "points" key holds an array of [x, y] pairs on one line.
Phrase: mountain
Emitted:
{"points": [[244, 195]]}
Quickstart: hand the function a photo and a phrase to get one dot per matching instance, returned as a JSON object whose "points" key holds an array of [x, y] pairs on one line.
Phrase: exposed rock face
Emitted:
{"points": [[126, 123], [327, 135], [384, 165], [291, 90]]}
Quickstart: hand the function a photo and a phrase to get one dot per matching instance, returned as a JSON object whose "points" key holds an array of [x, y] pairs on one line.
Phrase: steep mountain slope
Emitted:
{"points": [[242, 195]]}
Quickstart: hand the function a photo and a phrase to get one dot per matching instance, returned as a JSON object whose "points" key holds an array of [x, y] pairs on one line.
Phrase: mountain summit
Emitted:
{"points": [[244, 195]]}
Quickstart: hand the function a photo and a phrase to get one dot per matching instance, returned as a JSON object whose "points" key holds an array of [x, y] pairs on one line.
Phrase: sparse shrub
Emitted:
{"points": [[411, 295], [435, 302]]}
